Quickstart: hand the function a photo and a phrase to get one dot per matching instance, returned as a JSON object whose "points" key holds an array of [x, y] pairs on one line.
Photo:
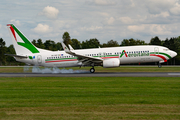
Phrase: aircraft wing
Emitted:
{"points": [[13, 55], [82, 58]]}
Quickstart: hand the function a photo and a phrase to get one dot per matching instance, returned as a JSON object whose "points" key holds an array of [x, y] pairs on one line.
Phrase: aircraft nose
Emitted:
{"points": [[173, 54]]}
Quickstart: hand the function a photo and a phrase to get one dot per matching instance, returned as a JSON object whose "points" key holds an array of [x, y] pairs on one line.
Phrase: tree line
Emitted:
{"points": [[172, 44]]}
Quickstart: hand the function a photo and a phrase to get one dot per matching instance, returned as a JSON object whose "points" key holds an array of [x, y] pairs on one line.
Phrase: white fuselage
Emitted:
{"points": [[126, 55]]}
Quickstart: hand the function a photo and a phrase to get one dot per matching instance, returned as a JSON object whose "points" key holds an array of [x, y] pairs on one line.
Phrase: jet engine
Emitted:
{"points": [[110, 63]]}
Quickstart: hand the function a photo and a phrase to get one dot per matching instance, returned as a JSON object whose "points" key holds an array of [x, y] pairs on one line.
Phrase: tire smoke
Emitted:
{"points": [[54, 70]]}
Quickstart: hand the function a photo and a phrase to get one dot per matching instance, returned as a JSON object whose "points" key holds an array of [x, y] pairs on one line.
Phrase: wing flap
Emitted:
{"points": [[82, 58]]}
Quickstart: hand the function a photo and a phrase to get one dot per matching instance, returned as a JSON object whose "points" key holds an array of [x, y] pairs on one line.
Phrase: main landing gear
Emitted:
{"points": [[92, 70]]}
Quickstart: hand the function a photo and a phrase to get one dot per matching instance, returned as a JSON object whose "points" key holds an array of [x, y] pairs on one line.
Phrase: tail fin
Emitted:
{"points": [[21, 44]]}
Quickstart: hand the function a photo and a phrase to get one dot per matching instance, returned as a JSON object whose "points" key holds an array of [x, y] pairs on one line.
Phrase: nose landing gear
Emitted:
{"points": [[159, 65]]}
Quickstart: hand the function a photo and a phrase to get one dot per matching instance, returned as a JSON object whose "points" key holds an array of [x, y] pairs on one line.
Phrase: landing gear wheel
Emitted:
{"points": [[159, 65], [92, 70]]}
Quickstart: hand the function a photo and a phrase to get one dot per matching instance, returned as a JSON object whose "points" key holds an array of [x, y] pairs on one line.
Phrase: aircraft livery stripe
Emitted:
{"points": [[162, 54], [26, 43], [21, 35], [110, 57], [72, 59], [105, 57], [159, 56], [61, 60], [13, 32]]}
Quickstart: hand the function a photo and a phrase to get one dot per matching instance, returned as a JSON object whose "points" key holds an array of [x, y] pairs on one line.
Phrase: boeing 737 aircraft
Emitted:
{"points": [[107, 57]]}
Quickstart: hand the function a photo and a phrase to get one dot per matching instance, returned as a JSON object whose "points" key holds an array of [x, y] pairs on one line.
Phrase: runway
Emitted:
{"points": [[98, 74]]}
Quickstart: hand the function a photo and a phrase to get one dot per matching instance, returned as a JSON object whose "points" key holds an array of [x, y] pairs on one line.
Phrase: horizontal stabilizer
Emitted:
{"points": [[13, 55]]}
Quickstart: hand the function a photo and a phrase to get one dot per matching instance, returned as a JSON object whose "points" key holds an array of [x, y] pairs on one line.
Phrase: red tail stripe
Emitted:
{"points": [[13, 32]]}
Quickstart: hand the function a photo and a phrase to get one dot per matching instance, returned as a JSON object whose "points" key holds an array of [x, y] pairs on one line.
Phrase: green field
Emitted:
{"points": [[97, 98], [101, 69]]}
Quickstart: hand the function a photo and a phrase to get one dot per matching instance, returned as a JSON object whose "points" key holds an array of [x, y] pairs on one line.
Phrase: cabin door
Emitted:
{"points": [[39, 59], [156, 51]]}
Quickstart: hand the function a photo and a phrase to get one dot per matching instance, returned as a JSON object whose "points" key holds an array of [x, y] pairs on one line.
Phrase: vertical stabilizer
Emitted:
{"points": [[21, 44]]}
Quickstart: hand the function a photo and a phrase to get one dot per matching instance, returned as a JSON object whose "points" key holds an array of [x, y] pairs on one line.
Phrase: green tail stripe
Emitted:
{"points": [[29, 47], [26, 43], [21, 35]]}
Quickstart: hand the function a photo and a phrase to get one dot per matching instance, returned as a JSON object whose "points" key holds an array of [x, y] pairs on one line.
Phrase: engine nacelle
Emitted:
{"points": [[110, 63]]}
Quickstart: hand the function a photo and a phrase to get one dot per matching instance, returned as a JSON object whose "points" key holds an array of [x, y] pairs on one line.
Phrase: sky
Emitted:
{"points": [[85, 19]]}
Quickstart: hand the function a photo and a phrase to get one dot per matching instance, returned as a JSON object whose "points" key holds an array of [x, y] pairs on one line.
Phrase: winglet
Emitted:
{"points": [[70, 47], [66, 49]]}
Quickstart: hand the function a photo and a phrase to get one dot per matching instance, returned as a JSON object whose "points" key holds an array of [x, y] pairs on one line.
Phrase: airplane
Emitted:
{"points": [[110, 57]]}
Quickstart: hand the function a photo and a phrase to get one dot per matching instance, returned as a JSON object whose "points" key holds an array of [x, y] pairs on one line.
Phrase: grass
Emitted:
{"points": [[89, 98], [101, 69]]}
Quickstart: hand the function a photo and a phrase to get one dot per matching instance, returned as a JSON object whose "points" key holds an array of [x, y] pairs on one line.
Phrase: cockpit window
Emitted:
{"points": [[166, 49]]}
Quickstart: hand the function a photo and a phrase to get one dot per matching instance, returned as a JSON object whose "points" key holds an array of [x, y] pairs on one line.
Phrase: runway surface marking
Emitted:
{"points": [[174, 74]]}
